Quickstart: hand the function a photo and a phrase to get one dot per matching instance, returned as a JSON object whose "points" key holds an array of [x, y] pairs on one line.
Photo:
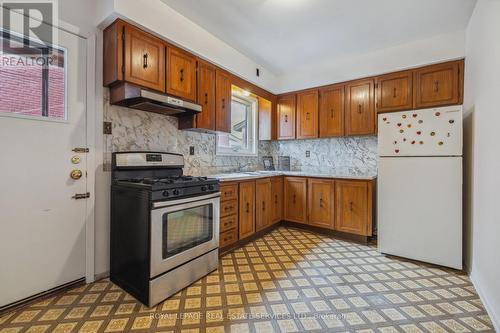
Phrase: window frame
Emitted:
{"points": [[254, 102], [8, 34]]}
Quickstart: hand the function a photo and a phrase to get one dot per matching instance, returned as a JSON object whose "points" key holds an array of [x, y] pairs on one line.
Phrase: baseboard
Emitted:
{"points": [[482, 295]]}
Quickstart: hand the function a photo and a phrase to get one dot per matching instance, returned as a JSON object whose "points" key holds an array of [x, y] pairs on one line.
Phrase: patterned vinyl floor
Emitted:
{"points": [[286, 281]]}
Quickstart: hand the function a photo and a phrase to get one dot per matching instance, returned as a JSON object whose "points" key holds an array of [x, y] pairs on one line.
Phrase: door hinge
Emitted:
{"points": [[80, 150], [81, 196]]}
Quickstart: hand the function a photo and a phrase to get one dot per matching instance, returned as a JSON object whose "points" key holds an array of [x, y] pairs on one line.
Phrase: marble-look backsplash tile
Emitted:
{"points": [[348, 154], [139, 130]]}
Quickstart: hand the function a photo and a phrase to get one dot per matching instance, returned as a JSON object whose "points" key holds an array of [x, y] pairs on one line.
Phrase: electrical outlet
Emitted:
{"points": [[107, 127], [308, 153], [191, 150]]}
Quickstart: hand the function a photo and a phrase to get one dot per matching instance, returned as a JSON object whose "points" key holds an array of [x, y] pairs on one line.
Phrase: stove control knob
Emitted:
{"points": [[166, 194], [211, 187], [176, 192], [203, 188]]}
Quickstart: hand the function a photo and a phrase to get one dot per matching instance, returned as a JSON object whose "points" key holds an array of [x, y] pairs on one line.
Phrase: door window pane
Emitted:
{"points": [[32, 80], [186, 228]]}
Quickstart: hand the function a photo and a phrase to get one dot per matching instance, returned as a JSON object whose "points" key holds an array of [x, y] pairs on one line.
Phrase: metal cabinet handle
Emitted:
{"points": [[360, 108], [331, 113], [145, 60], [223, 103], [350, 206], [308, 115], [394, 93], [276, 199], [294, 197], [436, 86], [181, 75], [206, 98], [263, 205], [248, 207], [321, 202]]}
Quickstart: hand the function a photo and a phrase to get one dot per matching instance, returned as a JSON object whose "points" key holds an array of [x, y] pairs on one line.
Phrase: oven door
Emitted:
{"points": [[182, 230]]}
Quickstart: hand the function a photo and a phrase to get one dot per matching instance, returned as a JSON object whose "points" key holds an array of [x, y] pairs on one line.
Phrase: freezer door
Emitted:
{"points": [[420, 209], [426, 132]]}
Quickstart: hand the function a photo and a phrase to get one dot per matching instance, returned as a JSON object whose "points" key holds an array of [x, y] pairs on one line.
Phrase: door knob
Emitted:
{"points": [[76, 174]]}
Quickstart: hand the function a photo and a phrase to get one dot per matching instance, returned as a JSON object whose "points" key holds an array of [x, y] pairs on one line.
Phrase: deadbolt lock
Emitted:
{"points": [[76, 174], [75, 159]]}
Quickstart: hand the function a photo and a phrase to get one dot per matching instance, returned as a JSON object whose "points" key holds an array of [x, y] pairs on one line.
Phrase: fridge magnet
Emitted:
{"points": [[433, 133], [440, 143], [397, 151], [420, 121], [409, 125], [404, 116], [415, 115], [438, 114], [399, 124], [419, 132], [401, 131], [413, 142], [384, 119], [421, 142], [451, 121]]}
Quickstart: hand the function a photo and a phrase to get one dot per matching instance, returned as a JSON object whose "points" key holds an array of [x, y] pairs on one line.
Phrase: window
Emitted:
{"points": [[32, 80], [242, 141]]}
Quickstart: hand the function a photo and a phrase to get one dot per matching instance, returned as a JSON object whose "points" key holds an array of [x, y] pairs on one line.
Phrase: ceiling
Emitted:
{"points": [[282, 35]]}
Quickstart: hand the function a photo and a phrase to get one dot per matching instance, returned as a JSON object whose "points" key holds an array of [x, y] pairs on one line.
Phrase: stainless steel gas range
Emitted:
{"points": [[164, 225]]}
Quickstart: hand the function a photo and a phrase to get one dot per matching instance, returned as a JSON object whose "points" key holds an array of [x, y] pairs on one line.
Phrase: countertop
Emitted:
{"points": [[234, 176]]}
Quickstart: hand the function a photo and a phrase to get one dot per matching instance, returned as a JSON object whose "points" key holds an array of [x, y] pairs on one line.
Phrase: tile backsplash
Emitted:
{"points": [[139, 130]]}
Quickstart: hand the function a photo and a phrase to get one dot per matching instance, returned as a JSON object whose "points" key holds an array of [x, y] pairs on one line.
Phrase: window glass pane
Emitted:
{"points": [[32, 80]]}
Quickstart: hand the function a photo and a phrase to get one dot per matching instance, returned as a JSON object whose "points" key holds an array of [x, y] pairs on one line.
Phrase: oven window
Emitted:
{"points": [[186, 228]]}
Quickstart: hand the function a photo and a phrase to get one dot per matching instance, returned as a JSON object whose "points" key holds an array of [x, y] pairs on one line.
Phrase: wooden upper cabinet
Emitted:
{"points": [[265, 119], [360, 108], [263, 205], [320, 202], [394, 92], [307, 114], [295, 199], [206, 96], [331, 111], [181, 74], [276, 199], [286, 116], [439, 85], [353, 207], [247, 209], [144, 62], [222, 101]]}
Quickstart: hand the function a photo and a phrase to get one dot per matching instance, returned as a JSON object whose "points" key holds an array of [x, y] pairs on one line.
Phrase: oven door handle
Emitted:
{"points": [[161, 204]]}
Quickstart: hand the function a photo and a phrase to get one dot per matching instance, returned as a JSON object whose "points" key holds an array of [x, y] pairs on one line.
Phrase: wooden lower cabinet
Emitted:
{"points": [[228, 227], [247, 209], [295, 199], [353, 206], [320, 202], [262, 203], [276, 199]]}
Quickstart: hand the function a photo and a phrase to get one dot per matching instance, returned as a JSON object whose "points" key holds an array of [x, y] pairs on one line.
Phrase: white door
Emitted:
{"points": [[420, 208], [42, 118]]}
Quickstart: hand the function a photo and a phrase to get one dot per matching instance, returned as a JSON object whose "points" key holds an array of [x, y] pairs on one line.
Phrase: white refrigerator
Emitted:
{"points": [[420, 185]]}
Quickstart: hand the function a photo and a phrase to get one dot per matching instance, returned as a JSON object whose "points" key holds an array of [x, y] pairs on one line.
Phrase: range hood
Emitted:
{"points": [[135, 97]]}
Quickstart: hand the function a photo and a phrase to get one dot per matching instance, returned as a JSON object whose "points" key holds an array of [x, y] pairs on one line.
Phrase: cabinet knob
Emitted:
{"points": [[286, 118], [350, 205], [263, 205], [276, 199], [248, 207], [308, 115], [321, 202]]}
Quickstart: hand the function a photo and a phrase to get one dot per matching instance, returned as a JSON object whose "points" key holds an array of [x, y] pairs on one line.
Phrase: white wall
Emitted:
{"points": [[422, 52], [482, 154]]}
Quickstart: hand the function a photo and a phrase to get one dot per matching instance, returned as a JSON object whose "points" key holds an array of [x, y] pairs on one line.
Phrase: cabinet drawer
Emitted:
{"points": [[229, 192], [228, 208], [228, 237], [228, 222]]}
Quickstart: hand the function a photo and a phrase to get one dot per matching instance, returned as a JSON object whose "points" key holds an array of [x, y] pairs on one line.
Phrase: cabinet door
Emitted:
{"points": [[360, 111], [295, 199], [353, 207], [181, 74], [331, 111], [276, 199], [265, 119], [394, 92], [222, 101], [438, 85], [144, 59], [320, 202], [307, 114], [247, 209], [286, 117], [262, 203], [206, 96]]}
